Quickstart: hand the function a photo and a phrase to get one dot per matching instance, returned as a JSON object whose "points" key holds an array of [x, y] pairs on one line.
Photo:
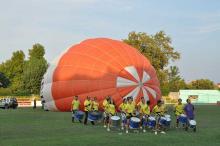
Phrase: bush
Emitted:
{"points": [[5, 91]]}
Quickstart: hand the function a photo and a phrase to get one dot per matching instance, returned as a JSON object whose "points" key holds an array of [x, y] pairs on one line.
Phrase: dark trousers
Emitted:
{"points": [[73, 115], [86, 118], [35, 104]]}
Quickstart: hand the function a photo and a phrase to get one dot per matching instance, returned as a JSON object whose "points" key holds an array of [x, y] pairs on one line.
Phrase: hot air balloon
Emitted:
{"points": [[97, 68]]}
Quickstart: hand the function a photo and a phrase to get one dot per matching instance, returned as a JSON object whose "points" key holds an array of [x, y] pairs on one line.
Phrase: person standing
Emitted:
{"points": [[178, 110], [87, 109], [158, 112], [130, 111], [111, 112], [35, 103], [105, 105], [75, 107], [122, 108], [144, 110], [140, 108], [189, 111]]}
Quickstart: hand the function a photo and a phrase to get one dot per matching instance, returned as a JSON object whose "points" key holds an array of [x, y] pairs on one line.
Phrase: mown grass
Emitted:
{"points": [[28, 127]]}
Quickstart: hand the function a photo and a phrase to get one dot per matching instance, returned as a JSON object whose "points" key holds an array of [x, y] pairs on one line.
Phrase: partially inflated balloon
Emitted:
{"points": [[98, 68]]}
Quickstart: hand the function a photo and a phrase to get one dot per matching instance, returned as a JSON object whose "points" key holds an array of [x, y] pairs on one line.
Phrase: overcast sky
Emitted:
{"points": [[193, 25]]}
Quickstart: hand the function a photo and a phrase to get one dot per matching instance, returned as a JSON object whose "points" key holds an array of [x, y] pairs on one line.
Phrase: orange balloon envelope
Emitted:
{"points": [[98, 68]]}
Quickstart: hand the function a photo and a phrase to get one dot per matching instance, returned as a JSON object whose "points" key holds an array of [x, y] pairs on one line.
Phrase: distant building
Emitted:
{"points": [[200, 96], [218, 85]]}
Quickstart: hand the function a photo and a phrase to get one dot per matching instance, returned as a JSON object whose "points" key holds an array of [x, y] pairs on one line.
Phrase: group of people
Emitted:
{"points": [[128, 109]]}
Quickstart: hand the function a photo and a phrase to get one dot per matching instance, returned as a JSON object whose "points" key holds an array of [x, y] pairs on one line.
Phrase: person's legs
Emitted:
{"points": [[157, 125], [128, 122], [177, 121], [86, 117], [105, 119], [73, 115], [123, 122], [108, 122], [161, 127], [142, 121]]}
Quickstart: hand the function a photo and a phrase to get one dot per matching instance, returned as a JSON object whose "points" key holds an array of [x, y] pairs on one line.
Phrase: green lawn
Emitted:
{"points": [[28, 127]]}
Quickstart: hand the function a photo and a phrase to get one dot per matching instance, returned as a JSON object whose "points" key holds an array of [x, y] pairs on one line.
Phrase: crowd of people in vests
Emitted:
{"points": [[133, 116]]}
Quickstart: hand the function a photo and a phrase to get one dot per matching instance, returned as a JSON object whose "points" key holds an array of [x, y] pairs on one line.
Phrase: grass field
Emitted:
{"points": [[28, 127]]}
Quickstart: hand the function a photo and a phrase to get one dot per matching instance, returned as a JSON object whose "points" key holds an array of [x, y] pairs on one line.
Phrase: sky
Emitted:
{"points": [[193, 25]]}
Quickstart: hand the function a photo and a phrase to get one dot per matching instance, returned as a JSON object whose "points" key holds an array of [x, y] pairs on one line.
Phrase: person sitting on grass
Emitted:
{"points": [[189, 111], [87, 109], [75, 107], [158, 112], [111, 112], [178, 110], [122, 108]]}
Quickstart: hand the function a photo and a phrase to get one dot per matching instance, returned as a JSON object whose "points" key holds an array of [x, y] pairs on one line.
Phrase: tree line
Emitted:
{"points": [[23, 77], [20, 76]]}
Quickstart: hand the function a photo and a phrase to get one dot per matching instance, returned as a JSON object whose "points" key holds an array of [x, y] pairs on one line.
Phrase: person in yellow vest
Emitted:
{"points": [[130, 111], [95, 105], [95, 108], [178, 110], [87, 109], [75, 107], [122, 108], [158, 112], [105, 105], [110, 112], [144, 111]]}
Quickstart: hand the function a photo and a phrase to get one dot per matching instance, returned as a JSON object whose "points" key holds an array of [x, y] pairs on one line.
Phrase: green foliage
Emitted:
{"points": [[34, 69], [4, 81], [13, 70], [175, 81], [5, 91], [24, 76], [33, 73], [157, 48], [37, 52], [201, 84], [165, 89]]}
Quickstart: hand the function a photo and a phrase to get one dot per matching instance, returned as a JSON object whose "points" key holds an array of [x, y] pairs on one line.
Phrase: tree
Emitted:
{"points": [[37, 52], [13, 70], [157, 48], [4, 81], [175, 81], [201, 84], [34, 69]]}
